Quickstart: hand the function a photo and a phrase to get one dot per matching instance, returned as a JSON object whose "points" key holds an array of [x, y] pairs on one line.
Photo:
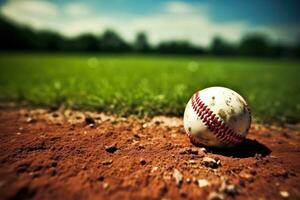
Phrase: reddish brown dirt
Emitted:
{"points": [[64, 159]]}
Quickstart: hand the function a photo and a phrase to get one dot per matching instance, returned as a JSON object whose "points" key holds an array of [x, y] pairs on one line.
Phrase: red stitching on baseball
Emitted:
{"points": [[214, 123]]}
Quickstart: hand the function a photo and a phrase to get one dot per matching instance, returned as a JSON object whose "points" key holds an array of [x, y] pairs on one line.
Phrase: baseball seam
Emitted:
{"points": [[217, 126]]}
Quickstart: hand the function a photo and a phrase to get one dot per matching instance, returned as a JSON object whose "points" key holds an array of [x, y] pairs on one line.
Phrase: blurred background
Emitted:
{"points": [[148, 57], [261, 28]]}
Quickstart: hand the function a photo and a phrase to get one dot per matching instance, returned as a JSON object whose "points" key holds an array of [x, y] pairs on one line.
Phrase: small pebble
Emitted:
{"points": [[284, 194], [215, 196], [203, 150], [258, 156], [229, 189], [203, 183], [105, 185], [106, 162], [210, 162], [29, 120], [189, 150], [188, 180], [154, 169], [178, 177], [192, 162]]}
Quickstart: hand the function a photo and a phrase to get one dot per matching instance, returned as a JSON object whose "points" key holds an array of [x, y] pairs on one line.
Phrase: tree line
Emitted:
{"points": [[16, 37]]}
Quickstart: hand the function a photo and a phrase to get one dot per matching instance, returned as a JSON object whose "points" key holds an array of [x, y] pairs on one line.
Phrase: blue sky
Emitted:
{"points": [[256, 12], [197, 21]]}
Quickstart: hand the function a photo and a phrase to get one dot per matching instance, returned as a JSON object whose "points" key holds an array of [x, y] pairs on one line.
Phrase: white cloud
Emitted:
{"points": [[195, 27], [178, 7], [177, 20], [30, 7], [77, 9], [38, 14]]}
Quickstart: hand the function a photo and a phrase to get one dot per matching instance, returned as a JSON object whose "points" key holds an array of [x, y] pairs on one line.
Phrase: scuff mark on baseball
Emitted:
{"points": [[217, 117]]}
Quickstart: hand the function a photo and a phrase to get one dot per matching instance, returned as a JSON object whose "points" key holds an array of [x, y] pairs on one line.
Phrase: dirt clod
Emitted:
{"points": [[281, 173], [189, 150], [210, 162], [143, 161], [231, 190], [228, 188], [111, 148], [89, 120], [246, 176], [100, 178]]}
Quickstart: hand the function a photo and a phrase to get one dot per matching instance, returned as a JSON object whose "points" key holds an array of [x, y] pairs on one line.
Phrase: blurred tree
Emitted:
{"points": [[178, 47], [254, 45], [112, 42], [278, 50], [141, 43], [50, 41], [86, 42], [16, 37], [220, 47], [296, 49]]}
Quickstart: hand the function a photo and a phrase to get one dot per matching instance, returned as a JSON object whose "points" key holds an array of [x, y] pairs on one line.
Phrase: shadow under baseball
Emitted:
{"points": [[249, 148]]}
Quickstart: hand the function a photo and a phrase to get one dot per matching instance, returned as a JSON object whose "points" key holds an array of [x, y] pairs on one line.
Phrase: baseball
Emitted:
{"points": [[217, 117]]}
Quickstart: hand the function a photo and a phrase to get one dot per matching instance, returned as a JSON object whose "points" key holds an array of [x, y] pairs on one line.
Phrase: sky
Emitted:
{"points": [[197, 21]]}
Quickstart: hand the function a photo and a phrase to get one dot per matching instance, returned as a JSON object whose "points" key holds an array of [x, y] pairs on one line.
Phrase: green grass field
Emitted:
{"points": [[148, 85]]}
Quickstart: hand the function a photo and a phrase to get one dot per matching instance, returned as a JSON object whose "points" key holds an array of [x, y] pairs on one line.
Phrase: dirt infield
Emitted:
{"points": [[83, 155]]}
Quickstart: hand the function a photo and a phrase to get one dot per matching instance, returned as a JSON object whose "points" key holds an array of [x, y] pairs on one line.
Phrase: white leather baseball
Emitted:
{"points": [[217, 117]]}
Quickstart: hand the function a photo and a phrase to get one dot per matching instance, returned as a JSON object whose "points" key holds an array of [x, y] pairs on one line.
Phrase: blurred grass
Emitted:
{"points": [[148, 85]]}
